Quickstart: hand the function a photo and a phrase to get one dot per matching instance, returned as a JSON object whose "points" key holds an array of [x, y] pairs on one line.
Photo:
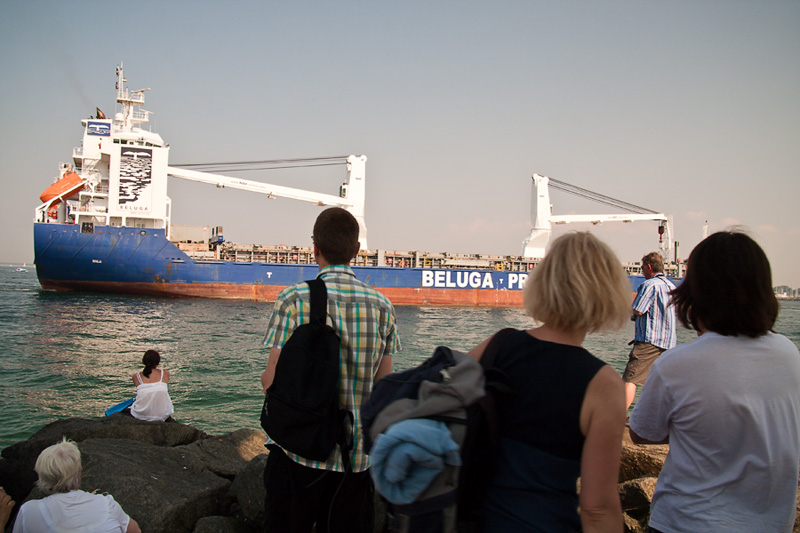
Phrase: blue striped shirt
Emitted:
{"points": [[366, 323], [656, 324]]}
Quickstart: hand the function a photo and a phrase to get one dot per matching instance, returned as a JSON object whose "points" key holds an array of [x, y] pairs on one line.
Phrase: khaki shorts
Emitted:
{"points": [[640, 360]]}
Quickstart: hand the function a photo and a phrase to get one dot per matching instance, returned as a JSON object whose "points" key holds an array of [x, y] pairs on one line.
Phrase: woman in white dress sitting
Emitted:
{"points": [[67, 508], [152, 403]]}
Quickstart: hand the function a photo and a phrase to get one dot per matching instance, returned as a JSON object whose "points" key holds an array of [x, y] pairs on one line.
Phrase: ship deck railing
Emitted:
{"points": [[298, 255]]}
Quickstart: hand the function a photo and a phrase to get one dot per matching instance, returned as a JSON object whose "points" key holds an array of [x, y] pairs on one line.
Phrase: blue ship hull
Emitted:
{"points": [[144, 261]]}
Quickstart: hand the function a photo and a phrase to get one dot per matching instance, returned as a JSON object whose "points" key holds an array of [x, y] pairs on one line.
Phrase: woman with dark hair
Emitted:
{"points": [[728, 403], [152, 403]]}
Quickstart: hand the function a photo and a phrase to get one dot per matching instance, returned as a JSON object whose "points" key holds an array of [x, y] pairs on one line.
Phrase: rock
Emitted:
{"points": [[162, 488], [217, 451], [16, 466], [636, 496], [641, 460], [248, 490], [631, 525], [222, 524], [167, 476]]}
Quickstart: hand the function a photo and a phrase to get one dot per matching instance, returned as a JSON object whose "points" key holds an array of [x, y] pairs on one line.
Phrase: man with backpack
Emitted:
{"points": [[302, 491]]}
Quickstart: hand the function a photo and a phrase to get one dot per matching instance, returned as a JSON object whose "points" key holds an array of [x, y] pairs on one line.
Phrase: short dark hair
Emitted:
{"points": [[728, 287], [655, 261], [150, 360], [336, 235]]}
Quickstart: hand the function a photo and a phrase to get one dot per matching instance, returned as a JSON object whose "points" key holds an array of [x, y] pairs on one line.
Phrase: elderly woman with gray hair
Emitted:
{"points": [[66, 507]]}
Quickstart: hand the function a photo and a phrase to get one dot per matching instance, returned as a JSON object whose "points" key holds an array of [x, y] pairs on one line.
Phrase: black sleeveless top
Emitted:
{"points": [[533, 487]]}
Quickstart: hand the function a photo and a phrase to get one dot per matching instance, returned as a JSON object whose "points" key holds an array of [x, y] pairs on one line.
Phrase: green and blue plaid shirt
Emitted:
{"points": [[366, 323]]}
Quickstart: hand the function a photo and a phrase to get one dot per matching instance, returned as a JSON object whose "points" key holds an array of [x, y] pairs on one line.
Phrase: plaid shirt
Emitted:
{"points": [[365, 321], [656, 324]]}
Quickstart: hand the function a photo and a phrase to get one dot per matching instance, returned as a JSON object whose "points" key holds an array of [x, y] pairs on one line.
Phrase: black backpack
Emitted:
{"points": [[445, 388], [301, 410]]}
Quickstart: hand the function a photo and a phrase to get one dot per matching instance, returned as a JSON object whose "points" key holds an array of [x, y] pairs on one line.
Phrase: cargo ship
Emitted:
{"points": [[105, 225]]}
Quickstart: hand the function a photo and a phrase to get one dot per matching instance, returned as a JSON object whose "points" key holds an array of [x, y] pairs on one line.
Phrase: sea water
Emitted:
{"points": [[73, 354]]}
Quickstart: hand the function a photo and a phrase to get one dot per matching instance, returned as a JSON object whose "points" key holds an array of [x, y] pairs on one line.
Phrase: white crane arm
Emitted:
{"points": [[542, 218], [352, 194], [599, 219], [272, 191]]}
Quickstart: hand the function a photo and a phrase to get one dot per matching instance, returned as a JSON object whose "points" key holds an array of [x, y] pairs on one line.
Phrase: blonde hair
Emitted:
{"points": [[59, 467], [579, 284]]}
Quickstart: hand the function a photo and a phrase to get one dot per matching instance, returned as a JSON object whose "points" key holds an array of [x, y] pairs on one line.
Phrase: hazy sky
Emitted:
{"points": [[688, 108]]}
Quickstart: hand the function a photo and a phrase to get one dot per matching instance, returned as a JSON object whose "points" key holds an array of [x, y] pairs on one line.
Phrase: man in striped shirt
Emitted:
{"points": [[655, 324], [302, 492]]}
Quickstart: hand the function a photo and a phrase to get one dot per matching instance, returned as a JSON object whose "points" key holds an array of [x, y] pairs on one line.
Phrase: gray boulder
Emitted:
{"points": [[162, 488], [229, 454], [223, 524], [167, 476], [248, 490], [636, 496], [16, 465], [639, 461]]}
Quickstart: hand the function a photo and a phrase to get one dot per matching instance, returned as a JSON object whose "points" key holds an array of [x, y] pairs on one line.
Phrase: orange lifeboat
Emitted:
{"points": [[67, 185]]}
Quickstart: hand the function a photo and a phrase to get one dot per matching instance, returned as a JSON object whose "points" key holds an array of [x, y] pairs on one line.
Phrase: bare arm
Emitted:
{"points": [[477, 352], [385, 367], [602, 422], [6, 506], [269, 372], [165, 379], [641, 440], [133, 527]]}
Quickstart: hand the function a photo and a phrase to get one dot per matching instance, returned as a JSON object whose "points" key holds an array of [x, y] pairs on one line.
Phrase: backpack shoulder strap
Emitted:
{"points": [[319, 312], [319, 300], [490, 353]]}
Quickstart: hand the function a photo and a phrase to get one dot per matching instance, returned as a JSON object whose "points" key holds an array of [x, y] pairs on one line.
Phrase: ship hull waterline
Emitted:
{"points": [[143, 261]]}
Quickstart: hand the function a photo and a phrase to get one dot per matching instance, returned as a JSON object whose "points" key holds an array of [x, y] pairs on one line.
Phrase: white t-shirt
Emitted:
{"points": [[731, 408], [74, 511]]}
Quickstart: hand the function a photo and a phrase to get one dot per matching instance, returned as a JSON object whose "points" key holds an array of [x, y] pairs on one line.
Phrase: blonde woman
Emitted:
{"points": [[567, 416]]}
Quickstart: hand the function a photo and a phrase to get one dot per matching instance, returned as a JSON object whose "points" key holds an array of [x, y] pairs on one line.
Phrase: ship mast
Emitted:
{"points": [[130, 100]]}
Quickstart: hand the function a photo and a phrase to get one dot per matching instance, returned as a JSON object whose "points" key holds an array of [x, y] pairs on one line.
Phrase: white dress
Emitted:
{"points": [[152, 403], [72, 511]]}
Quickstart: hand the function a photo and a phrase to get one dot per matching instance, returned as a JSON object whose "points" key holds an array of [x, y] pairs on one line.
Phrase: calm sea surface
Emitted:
{"points": [[72, 354]]}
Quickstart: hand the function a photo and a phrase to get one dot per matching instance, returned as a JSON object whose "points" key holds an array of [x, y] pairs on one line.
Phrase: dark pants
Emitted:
{"points": [[298, 497]]}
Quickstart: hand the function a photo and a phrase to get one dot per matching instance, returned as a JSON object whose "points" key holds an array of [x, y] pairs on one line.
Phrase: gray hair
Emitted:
{"points": [[59, 468]]}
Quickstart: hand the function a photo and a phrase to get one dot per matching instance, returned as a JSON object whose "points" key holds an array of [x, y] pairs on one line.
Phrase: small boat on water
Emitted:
{"points": [[105, 225]]}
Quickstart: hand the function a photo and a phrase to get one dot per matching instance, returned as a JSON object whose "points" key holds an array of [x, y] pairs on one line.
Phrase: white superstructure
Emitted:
{"points": [[119, 176]]}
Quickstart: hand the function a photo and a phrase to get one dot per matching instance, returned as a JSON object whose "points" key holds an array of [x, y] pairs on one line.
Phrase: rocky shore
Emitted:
{"points": [[173, 478]]}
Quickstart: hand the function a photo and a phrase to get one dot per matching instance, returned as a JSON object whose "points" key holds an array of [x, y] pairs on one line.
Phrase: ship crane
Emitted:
{"points": [[542, 217], [351, 197]]}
